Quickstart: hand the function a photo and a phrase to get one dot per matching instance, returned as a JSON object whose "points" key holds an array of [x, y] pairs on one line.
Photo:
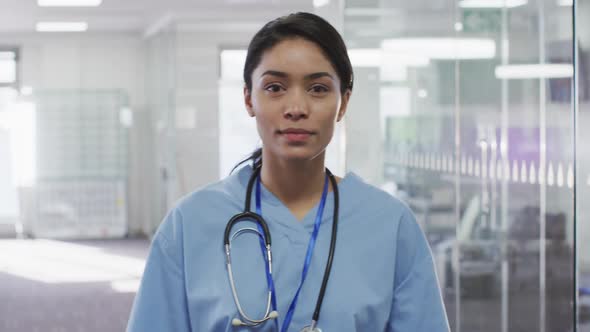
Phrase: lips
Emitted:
{"points": [[296, 135], [296, 131]]}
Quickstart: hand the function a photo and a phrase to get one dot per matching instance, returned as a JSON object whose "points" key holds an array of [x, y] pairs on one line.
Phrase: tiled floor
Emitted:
{"points": [[55, 286]]}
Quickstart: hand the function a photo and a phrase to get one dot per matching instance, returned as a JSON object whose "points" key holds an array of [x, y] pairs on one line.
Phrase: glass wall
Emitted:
{"points": [[160, 98], [473, 100], [582, 164], [238, 135]]}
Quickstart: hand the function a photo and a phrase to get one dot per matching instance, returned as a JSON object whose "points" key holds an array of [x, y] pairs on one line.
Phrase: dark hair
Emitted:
{"points": [[298, 25]]}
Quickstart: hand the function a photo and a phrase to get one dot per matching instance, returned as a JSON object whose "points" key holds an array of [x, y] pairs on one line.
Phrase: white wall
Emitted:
{"points": [[92, 61], [82, 61]]}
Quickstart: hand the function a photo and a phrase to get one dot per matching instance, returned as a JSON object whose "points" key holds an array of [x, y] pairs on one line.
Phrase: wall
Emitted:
{"points": [[92, 61]]}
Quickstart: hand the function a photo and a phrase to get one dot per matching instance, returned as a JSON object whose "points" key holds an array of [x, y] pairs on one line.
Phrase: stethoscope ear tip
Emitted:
{"points": [[236, 322], [273, 314]]}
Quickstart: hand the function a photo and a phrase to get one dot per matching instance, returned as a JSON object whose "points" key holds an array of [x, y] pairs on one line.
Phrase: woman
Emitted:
{"points": [[380, 277]]}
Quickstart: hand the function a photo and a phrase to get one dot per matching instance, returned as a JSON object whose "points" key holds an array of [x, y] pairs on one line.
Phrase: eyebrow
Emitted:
{"points": [[307, 77]]}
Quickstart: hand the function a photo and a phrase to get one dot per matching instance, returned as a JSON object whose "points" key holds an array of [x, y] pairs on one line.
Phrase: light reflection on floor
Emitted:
{"points": [[51, 261], [56, 286]]}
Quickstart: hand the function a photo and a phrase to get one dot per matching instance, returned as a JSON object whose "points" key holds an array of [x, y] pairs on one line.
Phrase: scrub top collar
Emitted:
{"points": [[272, 206]]}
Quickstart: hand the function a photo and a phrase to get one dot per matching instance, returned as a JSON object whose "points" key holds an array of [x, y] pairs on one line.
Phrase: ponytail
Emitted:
{"points": [[255, 157]]}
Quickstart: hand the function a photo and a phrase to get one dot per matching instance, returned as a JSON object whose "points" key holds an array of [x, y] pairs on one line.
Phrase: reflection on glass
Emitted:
{"points": [[477, 139], [582, 173]]}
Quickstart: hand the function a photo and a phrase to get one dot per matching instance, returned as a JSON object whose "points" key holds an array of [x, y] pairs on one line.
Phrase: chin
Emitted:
{"points": [[296, 153], [301, 155]]}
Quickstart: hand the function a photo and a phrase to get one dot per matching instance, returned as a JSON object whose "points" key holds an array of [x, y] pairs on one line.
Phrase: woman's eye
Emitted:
{"points": [[319, 89], [274, 88]]}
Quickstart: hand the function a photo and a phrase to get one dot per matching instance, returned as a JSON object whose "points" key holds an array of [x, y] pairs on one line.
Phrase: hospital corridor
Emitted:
{"points": [[123, 124]]}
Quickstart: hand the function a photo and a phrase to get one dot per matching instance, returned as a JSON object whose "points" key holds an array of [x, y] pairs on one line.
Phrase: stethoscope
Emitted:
{"points": [[264, 235]]}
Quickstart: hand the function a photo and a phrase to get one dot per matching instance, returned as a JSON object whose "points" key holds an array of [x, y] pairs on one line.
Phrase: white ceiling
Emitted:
{"points": [[366, 21], [139, 15]]}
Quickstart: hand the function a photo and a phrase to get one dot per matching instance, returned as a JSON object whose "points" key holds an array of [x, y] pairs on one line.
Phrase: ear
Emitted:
{"points": [[248, 101], [343, 105]]}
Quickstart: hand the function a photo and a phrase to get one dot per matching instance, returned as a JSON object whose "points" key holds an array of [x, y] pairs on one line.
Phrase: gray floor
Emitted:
{"points": [[69, 286], [45, 300]]}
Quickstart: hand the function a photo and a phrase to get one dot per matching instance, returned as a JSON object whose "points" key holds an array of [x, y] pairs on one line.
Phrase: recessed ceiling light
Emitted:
{"points": [[491, 3], [376, 57], [320, 3], [69, 3], [529, 71], [62, 26], [442, 48]]}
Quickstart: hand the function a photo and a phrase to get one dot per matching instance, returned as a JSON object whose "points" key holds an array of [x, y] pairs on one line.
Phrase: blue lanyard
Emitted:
{"points": [[269, 280], [310, 247]]}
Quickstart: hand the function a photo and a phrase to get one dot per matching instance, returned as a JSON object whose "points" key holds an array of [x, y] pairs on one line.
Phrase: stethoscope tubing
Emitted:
{"points": [[318, 306], [248, 215]]}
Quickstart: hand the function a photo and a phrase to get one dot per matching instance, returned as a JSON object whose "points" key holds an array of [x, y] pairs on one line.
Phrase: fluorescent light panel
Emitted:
{"points": [[320, 3], [565, 3], [491, 3], [69, 3], [442, 48], [365, 57], [534, 71], [375, 57], [364, 11], [62, 26]]}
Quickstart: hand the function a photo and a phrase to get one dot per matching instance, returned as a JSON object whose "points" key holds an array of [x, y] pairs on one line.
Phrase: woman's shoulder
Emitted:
{"points": [[205, 205], [228, 190], [359, 194]]}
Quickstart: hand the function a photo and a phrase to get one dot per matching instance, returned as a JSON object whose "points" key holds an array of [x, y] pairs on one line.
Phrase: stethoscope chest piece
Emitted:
{"points": [[310, 329]]}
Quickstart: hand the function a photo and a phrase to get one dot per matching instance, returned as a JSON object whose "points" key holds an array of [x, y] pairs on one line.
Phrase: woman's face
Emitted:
{"points": [[296, 100]]}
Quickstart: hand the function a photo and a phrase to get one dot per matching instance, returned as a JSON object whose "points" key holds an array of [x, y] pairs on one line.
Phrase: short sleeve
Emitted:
{"points": [[417, 301], [160, 304]]}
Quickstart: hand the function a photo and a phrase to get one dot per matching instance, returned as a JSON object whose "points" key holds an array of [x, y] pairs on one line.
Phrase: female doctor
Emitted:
{"points": [[283, 245]]}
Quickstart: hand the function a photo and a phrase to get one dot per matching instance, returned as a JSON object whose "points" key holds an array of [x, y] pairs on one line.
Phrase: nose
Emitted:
{"points": [[296, 107]]}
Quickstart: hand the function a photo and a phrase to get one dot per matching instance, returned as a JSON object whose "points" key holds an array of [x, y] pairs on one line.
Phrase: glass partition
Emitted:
{"points": [[582, 164], [473, 103]]}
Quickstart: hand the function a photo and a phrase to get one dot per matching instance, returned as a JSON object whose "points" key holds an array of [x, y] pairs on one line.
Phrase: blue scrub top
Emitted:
{"points": [[382, 277]]}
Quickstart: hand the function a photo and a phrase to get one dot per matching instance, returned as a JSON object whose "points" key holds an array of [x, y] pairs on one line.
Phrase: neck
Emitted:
{"points": [[295, 183]]}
